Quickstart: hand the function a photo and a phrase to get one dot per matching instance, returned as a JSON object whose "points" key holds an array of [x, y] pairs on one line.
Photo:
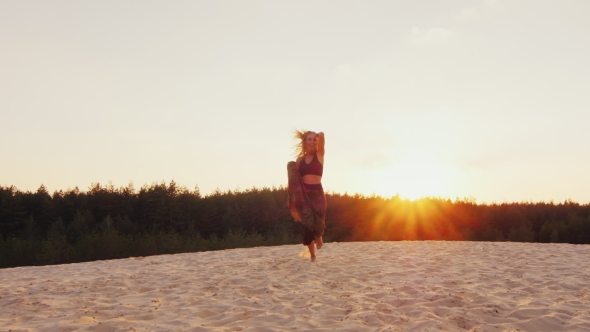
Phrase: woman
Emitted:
{"points": [[306, 198]]}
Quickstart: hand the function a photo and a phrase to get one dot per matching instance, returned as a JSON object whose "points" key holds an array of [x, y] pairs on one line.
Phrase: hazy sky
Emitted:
{"points": [[482, 99]]}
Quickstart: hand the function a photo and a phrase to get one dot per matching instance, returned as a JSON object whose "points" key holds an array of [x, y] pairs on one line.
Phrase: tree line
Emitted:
{"points": [[105, 222]]}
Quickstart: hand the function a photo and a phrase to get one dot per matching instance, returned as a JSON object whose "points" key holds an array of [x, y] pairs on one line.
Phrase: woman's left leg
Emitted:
{"points": [[318, 201], [319, 242]]}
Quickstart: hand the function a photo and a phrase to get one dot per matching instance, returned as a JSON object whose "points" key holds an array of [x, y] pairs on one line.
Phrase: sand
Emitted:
{"points": [[369, 286]]}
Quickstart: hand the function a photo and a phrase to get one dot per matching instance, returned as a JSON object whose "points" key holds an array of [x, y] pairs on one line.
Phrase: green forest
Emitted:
{"points": [[104, 222]]}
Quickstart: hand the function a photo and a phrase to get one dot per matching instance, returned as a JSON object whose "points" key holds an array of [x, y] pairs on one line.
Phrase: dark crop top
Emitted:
{"points": [[314, 167]]}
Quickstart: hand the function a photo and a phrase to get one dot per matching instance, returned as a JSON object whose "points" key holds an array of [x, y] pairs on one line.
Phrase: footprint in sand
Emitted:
{"points": [[87, 320]]}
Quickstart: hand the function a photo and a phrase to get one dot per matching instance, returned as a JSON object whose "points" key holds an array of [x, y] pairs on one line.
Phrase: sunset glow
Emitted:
{"points": [[416, 175], [452, 99]]}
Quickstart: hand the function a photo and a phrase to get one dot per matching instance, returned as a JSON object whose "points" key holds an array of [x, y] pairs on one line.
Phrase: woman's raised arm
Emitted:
{"points": [[321, 143]]}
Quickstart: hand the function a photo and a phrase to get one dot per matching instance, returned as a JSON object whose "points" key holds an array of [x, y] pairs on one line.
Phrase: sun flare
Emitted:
{"points": [[414, 176]]}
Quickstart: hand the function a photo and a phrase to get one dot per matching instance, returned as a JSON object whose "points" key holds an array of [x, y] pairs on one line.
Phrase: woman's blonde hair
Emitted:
{"points": [[300, 136]]}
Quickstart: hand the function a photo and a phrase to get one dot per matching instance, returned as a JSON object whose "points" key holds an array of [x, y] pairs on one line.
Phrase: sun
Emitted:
{"points": [[414, 176]]}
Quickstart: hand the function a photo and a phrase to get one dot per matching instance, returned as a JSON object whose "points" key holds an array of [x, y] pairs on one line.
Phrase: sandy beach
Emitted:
{"points": [[368, 286]]}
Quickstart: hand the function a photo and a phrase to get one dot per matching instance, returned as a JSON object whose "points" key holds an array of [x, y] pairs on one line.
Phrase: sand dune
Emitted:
{"points": [[370, 286]]}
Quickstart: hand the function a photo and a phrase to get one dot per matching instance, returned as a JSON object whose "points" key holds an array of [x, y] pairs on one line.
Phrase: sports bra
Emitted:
{"points": [[314, 167]]}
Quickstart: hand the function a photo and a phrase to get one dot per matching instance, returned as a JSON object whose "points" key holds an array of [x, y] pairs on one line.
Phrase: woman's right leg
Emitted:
{"points": [[311, 248], [308, 238]]}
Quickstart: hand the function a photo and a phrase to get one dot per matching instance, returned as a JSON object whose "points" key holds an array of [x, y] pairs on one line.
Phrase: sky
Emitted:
{"points": [[478, 99]]}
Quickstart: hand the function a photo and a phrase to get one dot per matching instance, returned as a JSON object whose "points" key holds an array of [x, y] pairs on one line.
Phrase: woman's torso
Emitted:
{"points": [[311, 169]]}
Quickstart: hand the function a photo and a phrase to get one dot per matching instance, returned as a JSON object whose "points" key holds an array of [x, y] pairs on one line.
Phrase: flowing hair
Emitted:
{"points": [[300, 136]]}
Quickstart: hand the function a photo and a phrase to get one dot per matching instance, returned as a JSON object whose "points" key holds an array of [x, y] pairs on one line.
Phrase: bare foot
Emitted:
{"points": [[319, 242], [311, 251]]}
